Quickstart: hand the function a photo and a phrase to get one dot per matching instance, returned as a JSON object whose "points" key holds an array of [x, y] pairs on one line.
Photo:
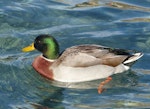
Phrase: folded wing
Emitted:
{"points": [[90, 55]]}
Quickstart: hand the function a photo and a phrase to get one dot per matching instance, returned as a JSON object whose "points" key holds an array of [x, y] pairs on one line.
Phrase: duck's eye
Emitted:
{"points": [[37, 42]]}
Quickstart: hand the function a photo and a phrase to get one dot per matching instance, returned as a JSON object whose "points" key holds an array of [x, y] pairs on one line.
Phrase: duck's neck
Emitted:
{"points": [[52, 51]]}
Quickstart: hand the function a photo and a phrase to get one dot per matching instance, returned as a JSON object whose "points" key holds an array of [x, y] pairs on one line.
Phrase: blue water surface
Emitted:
{"points": [[116, 23]]}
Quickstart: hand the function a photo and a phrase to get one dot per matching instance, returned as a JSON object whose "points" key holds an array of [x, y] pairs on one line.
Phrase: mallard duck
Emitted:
{"points": [[79, 63]]}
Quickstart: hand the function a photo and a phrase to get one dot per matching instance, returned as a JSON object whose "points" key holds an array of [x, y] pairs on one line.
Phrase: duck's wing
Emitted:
{"points": [[89, 55]]}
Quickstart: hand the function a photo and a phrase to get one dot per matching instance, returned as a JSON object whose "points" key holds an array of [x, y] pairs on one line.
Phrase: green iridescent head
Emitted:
{"points": [[45, 44]]}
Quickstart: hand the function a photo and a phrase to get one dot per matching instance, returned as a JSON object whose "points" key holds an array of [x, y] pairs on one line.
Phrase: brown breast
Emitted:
{"points": [[42, 66]]}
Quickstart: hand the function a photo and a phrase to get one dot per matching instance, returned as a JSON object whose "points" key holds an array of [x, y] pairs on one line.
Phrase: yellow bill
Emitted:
{"points": [[29, 48]]}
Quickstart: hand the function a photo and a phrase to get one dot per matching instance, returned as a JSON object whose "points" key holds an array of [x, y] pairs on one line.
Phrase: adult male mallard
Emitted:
{"points": [[79, 63]]}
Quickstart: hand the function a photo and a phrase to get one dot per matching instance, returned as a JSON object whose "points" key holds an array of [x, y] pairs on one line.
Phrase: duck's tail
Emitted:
{"points": [[131, 59]]}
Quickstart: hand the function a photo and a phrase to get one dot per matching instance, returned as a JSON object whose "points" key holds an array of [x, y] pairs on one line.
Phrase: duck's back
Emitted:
{"points": [[89, 55]]}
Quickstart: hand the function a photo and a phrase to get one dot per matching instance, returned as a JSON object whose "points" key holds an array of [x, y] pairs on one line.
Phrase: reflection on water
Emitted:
{"points": [[127, 6], [91, 3], [137, 20], [121, 24]]}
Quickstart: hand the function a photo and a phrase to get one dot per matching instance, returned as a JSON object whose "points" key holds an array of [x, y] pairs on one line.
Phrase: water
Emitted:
{"points": [[121, 24]]}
